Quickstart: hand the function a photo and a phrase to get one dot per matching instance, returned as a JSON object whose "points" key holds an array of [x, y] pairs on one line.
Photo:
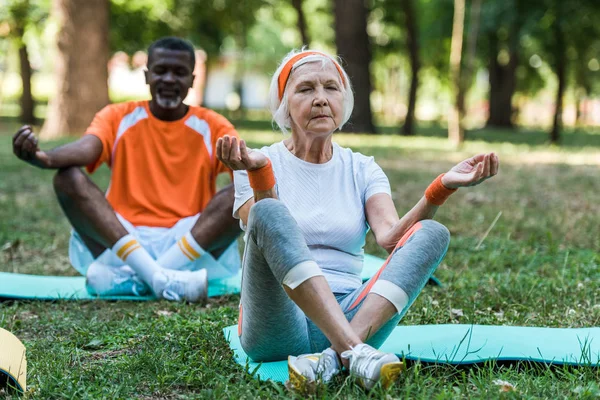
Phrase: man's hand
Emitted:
{"points": [[25, 146], [239, 157], [472, 171]]}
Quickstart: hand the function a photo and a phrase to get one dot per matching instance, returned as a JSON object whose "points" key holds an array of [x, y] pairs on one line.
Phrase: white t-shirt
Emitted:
{"points": [[328, 203]]}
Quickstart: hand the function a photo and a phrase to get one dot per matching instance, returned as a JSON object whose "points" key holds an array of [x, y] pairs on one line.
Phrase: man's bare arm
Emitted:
{"points": [[80, 153]]}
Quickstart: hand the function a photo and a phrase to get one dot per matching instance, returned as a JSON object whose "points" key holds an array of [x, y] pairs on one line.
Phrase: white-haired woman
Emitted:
{"points": [[306, 205]]}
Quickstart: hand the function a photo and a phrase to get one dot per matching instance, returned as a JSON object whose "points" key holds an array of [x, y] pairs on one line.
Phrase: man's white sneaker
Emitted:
{"points": [[191, 286], [370, 365], [308, 370], [106, 280]]}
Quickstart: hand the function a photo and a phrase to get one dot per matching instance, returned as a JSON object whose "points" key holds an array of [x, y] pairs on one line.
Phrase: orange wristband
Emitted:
{"points": [[262, 179], [437, 193]]}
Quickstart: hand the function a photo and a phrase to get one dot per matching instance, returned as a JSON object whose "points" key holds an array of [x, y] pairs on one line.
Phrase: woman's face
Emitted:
{"points": [[315, 99]]}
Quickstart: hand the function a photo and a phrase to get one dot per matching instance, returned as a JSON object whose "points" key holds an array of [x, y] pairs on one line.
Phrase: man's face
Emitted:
{"points": [[169, 76]]}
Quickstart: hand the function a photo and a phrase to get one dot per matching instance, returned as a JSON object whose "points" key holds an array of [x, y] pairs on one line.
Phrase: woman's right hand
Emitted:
{"points": [[238, 156]]}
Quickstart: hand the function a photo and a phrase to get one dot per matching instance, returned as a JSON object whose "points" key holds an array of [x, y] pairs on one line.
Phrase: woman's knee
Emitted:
{"points": [[261, 351], [264, 213], [437, 232]]}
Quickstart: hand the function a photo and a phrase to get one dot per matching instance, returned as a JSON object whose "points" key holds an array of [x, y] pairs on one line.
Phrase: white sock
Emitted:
{"points": [[182, 253], [133, 254]]}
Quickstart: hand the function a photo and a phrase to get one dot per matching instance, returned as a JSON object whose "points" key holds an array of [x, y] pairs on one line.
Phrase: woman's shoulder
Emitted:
{"points": [[272, 149], [355, 157]]}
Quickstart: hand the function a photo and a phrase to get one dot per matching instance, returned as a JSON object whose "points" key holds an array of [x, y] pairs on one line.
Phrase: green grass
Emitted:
{"points": [[538, 266]]}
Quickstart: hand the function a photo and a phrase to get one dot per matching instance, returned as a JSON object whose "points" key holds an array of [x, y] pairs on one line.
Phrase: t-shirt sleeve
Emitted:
{"points": [[104, 127], [377, 181], [243, 191]]}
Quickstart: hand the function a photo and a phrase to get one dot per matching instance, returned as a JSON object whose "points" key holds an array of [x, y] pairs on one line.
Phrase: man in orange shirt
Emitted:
{"points": [[161, 221]]}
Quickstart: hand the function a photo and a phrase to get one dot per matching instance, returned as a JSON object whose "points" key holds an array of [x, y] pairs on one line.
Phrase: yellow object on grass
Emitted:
{"points": [[12, 359]]}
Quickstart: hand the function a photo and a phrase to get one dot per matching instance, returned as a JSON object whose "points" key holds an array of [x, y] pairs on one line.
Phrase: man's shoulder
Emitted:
{"points": [[210, 116], [120, 110]]}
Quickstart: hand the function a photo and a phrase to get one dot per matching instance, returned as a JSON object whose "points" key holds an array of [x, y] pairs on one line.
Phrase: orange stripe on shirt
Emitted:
{"points": [[372, 281]]}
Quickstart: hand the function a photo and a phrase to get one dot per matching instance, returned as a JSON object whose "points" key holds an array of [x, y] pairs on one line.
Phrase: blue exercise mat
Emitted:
{"points": [[41, 287], [464, 344]]}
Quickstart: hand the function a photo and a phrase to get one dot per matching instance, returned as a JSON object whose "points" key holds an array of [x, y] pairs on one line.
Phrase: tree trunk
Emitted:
{"points": [[503, 82], [467, 74], [456, 132], [353, 46], [412, 44], [240, 71], [27, 103], [301, 22], [502, 77], [579, 100], [81, 70], [560, 75]]}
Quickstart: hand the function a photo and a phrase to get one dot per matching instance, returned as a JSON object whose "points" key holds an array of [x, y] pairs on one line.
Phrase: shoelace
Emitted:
{"points": [[139, 287], [172, 290], [326, 366], [363, 358], [125, 274]]}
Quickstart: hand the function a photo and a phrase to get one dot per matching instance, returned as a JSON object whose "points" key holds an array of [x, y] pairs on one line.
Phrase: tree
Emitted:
{"points": [[353, 46], [456, 132], [503, 23], [81, 66], [301, 22], [466, 75], [566, 32], [24, 16], [412, 45], [560, 69]]}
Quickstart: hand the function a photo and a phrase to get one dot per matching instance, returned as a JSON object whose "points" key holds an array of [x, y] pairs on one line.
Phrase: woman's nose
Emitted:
{"points": [[320, 98]]}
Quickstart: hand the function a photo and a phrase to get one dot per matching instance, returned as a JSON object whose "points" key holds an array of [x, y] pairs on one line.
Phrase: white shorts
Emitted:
{"points": [[156, 241]]}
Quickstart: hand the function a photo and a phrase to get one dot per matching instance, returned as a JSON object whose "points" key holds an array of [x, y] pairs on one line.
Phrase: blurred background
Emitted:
{"points": [[442, 66]]}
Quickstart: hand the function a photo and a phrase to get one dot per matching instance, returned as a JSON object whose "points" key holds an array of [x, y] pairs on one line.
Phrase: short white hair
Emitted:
{"points": [[279, 108]]}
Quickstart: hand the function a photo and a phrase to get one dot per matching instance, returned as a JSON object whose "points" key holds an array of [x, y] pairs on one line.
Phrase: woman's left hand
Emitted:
{"points": [[471, 171]]}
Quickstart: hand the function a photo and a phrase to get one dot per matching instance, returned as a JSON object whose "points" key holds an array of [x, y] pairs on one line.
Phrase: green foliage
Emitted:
{"points": [[434, 22], [23, 15], [579, 34], [135, 24]]}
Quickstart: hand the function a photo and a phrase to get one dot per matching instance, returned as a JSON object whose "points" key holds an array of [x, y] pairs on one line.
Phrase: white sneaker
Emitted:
{"points": [[106, 280], [191, 286], [308, 370], [370, 365]]}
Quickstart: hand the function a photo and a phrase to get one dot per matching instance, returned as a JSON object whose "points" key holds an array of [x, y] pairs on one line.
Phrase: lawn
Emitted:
{"points": [[538, 266]]}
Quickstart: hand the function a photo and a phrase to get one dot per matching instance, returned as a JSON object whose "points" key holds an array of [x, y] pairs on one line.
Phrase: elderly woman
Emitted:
{"points": [[306, 205]]}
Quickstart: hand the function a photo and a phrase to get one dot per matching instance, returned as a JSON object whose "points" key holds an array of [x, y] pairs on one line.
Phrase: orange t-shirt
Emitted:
{"points": [[161, 171]]}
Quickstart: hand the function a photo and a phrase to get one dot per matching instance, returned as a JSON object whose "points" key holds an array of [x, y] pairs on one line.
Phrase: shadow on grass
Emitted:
{"points": [[571, 138]]}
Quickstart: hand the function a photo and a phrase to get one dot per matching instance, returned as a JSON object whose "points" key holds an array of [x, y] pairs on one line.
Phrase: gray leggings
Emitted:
{"points": [[272, 326]]}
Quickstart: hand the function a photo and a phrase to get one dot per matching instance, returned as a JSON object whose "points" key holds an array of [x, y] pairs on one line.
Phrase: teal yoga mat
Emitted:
{"points": [[39, 287], [22, 286], [464, 344]]}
